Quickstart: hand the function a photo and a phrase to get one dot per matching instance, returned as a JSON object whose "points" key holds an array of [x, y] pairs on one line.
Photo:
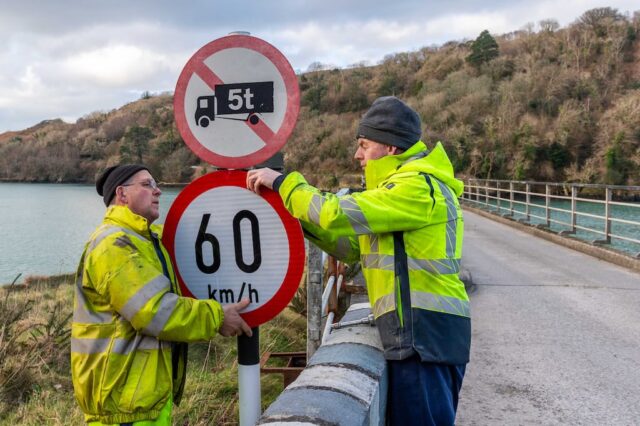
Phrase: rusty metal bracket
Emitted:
{"points": [[296, 362]]}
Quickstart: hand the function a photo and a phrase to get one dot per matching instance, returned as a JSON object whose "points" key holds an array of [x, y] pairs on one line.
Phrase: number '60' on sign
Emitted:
{"points": [[228, 244]]}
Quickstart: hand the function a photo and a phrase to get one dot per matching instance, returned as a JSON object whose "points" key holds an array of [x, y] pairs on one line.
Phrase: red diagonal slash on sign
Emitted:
{"points": [[204, 72], [273, 138]]}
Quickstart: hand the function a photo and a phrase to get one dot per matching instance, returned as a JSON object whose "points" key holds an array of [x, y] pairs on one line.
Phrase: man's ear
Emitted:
{"points": [[120, 197], [392, 150]]}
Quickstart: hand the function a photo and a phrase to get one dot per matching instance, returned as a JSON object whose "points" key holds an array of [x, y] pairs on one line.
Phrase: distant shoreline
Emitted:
{"points": [[43, 182], [31, 280]]}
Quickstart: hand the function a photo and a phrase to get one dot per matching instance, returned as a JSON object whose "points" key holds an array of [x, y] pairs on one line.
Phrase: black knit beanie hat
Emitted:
{"points": [[113, 177], [391, 122]]}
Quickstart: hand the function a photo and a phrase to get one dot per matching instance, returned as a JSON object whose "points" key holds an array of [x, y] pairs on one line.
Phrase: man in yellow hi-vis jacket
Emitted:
{"points": [[406, 230], [130, 323]]}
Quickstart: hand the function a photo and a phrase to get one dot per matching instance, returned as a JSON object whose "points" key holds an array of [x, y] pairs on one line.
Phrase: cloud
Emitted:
{"points": [[115, 65], [71, 57]]}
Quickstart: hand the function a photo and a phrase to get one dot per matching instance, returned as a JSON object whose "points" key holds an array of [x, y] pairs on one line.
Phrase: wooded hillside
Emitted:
{"points": [[542, 103]]}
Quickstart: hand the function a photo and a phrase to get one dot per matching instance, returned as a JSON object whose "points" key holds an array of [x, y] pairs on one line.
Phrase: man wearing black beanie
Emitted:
{"points": [[130, 324], [406, 231]]}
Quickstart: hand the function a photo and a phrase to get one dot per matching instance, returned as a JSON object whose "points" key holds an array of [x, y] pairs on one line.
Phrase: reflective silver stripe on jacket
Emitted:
{"points": [[385, 262], [118, 346], [439, 303], [142, 297], [434, 266], [428, 301], [373, 243], [109, 230], [313, 213], [343, 247], [81, 312], [416, 157], [355, 216], [452, 219], [383, 305], [167, 305]]}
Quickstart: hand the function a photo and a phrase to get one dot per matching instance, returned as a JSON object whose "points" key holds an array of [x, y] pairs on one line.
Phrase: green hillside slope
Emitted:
{"points": [[541, 103]]}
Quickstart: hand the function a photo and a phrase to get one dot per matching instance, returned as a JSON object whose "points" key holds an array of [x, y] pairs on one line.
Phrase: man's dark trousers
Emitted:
{"points": [[422, 393]]}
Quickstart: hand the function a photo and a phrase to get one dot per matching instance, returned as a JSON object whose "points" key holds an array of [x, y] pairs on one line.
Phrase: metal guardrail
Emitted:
{"points": [[331, 293], [608, 211]]}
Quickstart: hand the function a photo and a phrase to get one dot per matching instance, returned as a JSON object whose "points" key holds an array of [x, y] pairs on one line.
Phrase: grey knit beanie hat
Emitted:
{"points": [[391, 122], [113, 177]]}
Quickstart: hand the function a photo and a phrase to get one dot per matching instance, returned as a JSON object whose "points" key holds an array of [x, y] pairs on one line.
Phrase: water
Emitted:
{"points": [[45, 226], [561, 220]]}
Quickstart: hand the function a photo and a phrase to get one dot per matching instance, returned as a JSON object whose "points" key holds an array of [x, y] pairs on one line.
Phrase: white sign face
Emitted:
{"points": [[227, 134], [228, 244], [236, 101], [237, 243]]}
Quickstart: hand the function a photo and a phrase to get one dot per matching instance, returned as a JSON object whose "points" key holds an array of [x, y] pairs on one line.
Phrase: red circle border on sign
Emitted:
{"points": [[291, 115], [292, 278]]}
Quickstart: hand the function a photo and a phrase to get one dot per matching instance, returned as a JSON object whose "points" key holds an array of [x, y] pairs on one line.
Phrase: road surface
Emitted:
{"points": [[556, 333]]}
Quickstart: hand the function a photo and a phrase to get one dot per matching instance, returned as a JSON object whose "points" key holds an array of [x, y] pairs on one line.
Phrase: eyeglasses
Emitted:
{"points": [[149, 184]]}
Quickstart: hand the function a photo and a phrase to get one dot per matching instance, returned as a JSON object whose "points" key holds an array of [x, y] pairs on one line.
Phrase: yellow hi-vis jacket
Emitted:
{"points": [[406, 230], [126, 314]]}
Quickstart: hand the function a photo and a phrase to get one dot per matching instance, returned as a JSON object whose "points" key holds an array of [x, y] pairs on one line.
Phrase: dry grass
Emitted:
{"points": [[34, 349], [35, 379]]}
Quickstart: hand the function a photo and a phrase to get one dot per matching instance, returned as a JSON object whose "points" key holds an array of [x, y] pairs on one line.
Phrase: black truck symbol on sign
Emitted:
{"points": [[237, 98]]}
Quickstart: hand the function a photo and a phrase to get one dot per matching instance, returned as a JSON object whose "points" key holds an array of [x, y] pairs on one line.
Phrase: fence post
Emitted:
{"points": [[607, 215], [528, 201], [511, 198], [547, 204], [486, 193], [314, 299], [574, 208], [498, 196]]}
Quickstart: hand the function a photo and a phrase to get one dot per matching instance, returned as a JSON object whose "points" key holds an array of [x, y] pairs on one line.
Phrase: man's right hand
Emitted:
{"points": [[261, 177], [233, 324]]}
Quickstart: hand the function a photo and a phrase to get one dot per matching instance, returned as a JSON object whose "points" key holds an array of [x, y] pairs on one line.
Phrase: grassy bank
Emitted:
{"points": [[35, 380]]}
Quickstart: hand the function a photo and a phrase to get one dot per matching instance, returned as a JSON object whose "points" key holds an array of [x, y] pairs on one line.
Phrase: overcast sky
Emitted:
{"points": [[68, 58]]}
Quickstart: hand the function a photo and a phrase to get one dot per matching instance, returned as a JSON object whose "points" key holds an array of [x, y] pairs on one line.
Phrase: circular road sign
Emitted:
{"points": [[228, 244], [236, 101]]}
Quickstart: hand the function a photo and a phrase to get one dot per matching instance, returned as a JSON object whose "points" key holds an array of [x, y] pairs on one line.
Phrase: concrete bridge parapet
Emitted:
{"points": [[344, 383]]}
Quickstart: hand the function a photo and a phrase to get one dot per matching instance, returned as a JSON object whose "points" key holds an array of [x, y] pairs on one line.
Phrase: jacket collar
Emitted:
{"points": [[417, 159], [376, 171], [124, 217]]}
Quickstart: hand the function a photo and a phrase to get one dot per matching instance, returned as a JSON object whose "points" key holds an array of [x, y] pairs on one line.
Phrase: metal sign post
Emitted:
{"points": [[249, 377], [236, 103]]}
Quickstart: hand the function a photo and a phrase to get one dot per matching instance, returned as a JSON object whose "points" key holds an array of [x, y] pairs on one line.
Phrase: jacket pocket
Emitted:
{"points": [[134, 381]]}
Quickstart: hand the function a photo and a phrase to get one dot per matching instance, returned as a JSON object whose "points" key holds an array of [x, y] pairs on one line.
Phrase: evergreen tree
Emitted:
{"points": [[135, 143], [483, 49]]}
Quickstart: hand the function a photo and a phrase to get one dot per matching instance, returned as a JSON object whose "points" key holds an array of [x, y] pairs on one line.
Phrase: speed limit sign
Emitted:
{"points": [[230, 244]]}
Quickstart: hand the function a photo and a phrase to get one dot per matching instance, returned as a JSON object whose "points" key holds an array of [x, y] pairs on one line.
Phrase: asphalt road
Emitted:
{"points": [[556, 333]]}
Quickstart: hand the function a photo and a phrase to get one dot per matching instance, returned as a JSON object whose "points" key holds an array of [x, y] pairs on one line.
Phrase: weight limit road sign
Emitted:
{"points": [[236, 101], [229, 243]]}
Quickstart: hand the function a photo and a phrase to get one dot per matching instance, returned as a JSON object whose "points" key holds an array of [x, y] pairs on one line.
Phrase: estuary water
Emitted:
{"points": [[44, 226]]}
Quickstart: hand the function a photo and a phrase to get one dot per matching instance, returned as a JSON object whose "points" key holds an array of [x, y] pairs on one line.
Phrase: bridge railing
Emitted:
{"points": [[611, 213], [331, 294], [344, 380]]}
